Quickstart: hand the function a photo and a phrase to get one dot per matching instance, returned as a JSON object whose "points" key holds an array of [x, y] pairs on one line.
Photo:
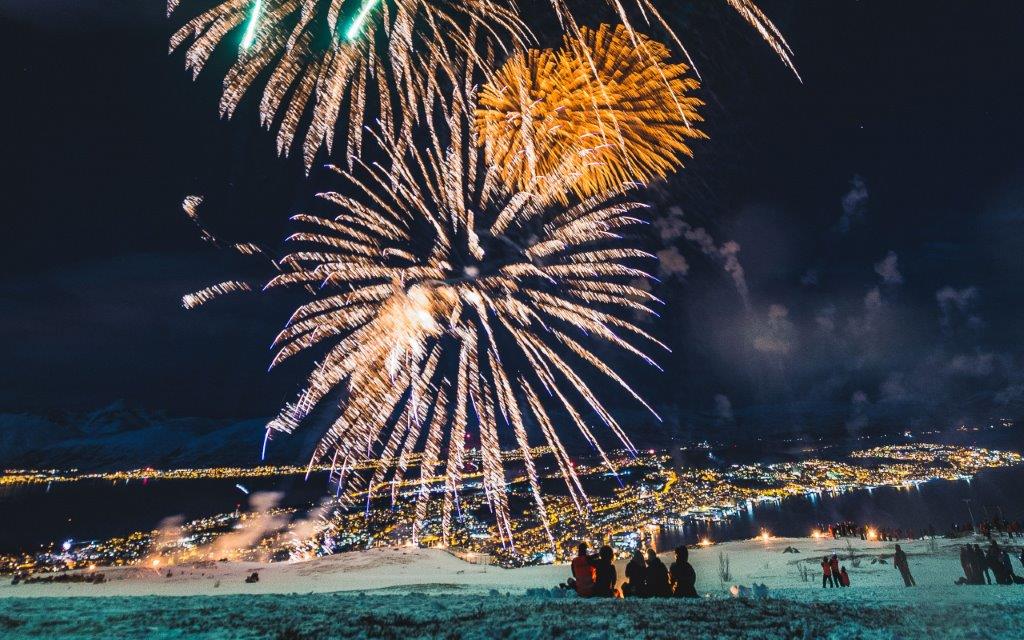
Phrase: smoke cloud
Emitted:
{"points": [[889, 269], [957, 305], [671, 263], [854, 205], [723, 408]]}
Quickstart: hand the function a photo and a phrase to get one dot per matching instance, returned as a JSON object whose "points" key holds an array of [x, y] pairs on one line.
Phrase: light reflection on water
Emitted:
{"points": [[938, 502]]}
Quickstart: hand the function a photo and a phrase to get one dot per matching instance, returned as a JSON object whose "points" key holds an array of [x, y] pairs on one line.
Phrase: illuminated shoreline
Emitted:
{"points": [[649, 494]]}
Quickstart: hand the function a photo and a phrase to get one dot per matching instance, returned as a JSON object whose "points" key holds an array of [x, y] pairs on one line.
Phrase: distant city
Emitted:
{"points": [[627, 506]]}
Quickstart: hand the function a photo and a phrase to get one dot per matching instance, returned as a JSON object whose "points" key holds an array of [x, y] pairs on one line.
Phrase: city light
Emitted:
{"points": [[655, 494]]}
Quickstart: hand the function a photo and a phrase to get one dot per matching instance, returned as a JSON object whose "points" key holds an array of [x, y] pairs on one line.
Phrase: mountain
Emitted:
{"points": [[121, 437]]}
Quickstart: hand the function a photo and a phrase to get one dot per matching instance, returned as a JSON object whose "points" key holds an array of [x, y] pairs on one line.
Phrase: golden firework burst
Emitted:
{"points": [[612, 105], [446, 304], [377, 58]]}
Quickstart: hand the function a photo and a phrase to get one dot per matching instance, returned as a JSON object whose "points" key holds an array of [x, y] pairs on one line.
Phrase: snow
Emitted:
{"points": [[412, 592], [413, 568]]}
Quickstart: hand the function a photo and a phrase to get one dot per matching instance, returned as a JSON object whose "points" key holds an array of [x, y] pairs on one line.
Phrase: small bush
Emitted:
{"points": [[804, 572], [723, 568]]}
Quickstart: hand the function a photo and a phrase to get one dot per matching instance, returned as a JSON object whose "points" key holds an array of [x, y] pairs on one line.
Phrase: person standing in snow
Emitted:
{"points": [[1012, 577], [982, 565], [583, 572], [636, 574], [899, 560], [967, 564], [995, 563], [657, 576], [684, 578], [834, 566], [826, 573], [606, 576]]}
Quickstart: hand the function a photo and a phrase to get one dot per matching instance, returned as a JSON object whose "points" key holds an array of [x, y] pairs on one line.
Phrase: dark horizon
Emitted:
{"points": [[876, 207]]}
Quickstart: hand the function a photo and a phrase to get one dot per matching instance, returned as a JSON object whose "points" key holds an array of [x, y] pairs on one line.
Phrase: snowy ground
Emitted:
{"points": [[412, 593]]}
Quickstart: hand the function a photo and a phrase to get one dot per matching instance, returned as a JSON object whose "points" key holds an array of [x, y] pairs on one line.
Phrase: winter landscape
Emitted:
{"points": [[406, 592]]}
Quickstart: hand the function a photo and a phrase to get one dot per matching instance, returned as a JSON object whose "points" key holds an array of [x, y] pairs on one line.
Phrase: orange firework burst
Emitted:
{"points": [[317, 58], [615, 108]]}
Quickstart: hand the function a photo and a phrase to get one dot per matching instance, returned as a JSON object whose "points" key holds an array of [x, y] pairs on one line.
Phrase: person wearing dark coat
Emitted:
{"points": [[982, 564], [604, 582], [995, 563], [899, 560], [657, 576], [684, 578], [967, 564], [636, 574], [1012, 577]]}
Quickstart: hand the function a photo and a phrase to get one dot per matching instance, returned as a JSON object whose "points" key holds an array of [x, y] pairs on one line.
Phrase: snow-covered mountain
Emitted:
{"points": [[121, 437]]}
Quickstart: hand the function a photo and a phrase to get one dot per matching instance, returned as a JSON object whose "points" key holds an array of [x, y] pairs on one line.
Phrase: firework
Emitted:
{"points": [[201, 297], [447, 305], [628, 123], [317, 56]]}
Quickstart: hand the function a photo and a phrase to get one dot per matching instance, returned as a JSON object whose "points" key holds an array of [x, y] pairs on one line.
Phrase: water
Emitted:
{"points": [[939, 503], [33, 515]]}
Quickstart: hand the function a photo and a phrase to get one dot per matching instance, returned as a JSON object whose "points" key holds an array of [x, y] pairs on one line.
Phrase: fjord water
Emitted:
{"points": [[35, 515]]}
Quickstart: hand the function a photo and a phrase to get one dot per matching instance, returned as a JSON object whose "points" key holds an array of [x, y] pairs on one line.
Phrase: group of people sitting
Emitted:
{"points": [[981, 567], [595, 575], [832, 575]]}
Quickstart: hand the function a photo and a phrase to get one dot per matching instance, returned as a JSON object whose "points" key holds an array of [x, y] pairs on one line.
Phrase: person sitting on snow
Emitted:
{"points": [[636, 574], [657, 576], [844, 578], [583, 572], [606, 577], [684, 578]]}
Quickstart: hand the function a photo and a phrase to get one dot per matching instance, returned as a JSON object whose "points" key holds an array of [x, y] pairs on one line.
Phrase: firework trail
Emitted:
{"points": [[544, 108], [317, 57], [446, 303], [336, 53]]}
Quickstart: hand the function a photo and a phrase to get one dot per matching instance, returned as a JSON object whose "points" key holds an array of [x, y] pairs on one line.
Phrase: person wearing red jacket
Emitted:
{"points": [[826, 573], [583, 572], [844, 578]]}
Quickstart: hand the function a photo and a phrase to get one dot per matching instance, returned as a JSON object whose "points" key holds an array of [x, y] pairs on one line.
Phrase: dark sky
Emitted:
{"points": [[877, 211]]}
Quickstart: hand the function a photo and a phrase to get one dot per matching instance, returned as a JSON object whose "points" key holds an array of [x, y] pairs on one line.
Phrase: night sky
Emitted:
{"points": [[878, 209]]}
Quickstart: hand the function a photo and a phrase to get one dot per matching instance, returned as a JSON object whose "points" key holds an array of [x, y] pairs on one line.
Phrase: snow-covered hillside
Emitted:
{"points": [[426, 593]]}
